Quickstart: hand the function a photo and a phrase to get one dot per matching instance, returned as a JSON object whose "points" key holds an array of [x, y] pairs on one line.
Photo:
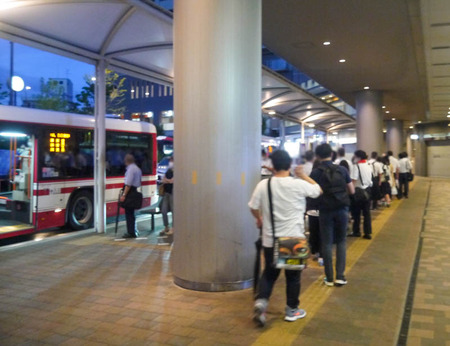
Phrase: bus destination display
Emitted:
{"points": [[58, 142]]}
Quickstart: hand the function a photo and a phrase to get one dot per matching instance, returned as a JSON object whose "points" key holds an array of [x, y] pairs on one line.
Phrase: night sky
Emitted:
{"points": [[31, 64]]}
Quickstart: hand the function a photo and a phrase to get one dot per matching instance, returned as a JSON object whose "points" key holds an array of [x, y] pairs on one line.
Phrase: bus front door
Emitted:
{"points": [[16, 176]]}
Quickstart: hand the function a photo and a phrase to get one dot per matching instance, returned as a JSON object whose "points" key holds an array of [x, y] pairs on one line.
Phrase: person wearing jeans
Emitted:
{"points": [[289, 204], [333, 226], [333, 205], [167, 202]]}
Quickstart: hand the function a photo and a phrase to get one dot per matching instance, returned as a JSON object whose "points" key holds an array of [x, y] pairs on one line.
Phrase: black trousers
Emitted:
{"points": [[403, 183], [314, 234], [357, 209], [131, 221], [270, 275]]}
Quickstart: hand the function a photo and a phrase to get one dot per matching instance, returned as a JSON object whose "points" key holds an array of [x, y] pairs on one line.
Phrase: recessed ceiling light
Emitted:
{"points": [[384, 131], [383, 107], [448, 116], [272, 112], [419, 122], [342, 60], [387, 112], [393, 118], [326, 43], [366, 88], [411, 127]]}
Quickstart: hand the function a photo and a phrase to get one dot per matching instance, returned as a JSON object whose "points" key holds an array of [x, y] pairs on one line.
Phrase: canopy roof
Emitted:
{"points": [[135, 38]]}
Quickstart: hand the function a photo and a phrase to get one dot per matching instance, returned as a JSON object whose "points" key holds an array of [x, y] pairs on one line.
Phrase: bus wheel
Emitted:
{"points": [[81, 211]]}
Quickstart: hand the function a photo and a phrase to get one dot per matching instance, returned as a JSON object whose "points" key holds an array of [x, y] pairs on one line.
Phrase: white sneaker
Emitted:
{"points": [[328, 283]]}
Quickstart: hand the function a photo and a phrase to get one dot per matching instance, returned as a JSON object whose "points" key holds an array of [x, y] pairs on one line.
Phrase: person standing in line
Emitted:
{"points": [[266, 165], [167, 202], [394, 163], [404, 168], [341, 157], [308, 165], [333, 213], [133, 177], [362, 178], [376, 179], [386, 178], [288, 197]]}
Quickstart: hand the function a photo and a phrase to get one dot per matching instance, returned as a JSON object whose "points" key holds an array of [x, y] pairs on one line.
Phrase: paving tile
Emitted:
{"points": [[92, 291]]}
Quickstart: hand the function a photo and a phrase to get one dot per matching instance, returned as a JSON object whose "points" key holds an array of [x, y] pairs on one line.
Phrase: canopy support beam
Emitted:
{"points": [[100, 148]]}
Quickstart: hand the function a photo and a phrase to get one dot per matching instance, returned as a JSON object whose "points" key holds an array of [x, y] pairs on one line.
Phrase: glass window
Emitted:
{"points": [[66, 154], [118, 144]]}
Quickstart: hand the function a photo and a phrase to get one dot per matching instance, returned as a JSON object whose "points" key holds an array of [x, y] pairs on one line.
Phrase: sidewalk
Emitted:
{"points": [[92, 290]]}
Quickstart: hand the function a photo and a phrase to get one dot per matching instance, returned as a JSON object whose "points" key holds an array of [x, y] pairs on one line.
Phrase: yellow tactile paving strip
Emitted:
{"points": [[282, 333]]}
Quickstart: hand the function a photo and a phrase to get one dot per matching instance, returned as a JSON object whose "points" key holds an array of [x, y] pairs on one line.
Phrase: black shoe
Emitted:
{"points": [[367, 236], [354, 235], [128, 236]]}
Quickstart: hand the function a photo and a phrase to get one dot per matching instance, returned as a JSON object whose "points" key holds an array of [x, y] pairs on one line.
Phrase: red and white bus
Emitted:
{"points": [[47, 168]]}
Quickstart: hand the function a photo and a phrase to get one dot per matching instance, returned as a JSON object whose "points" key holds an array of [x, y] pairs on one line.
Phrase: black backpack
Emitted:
{"points": [[334, 186]]}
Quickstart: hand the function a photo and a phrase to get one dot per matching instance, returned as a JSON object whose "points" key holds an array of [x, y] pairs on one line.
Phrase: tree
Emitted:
{"points": [[51, 96], [115, 94]]}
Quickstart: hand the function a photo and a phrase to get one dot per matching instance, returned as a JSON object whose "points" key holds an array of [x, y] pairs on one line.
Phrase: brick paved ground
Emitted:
{"points": [[91, 290], [430, 320]]}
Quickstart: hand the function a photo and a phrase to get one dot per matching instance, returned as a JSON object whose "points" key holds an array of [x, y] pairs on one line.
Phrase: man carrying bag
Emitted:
{"points": [[131, 199], [362, 179], [288, 204]]}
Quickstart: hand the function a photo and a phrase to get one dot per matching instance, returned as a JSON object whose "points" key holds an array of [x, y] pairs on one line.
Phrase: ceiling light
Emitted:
{"points": [[335, 133], [342, 60], [272, 112], [366, 88], [448, 116], [311, 125], [393, 118], [419, 122], [383, 107], [387, 112], [411, 127], [384, 131], [326, 43]]}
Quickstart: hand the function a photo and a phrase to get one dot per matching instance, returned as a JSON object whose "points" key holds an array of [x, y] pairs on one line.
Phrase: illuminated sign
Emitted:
{"points": [[58, 142]]}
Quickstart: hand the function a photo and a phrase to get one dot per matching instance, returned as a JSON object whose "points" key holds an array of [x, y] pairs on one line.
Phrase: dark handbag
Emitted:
{"points": [[133, 199], [410, 176], [361, 195], [288, 252]]}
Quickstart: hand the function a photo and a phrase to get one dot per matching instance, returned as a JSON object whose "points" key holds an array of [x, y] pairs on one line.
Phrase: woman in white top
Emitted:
{"points": [[387, 178]]}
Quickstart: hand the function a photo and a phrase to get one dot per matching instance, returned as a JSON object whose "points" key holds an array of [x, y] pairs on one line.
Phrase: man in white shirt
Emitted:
{"points": [[394, 162], [289, 204], [404, 168], [362, 179], [377, 170], [266, 165]]}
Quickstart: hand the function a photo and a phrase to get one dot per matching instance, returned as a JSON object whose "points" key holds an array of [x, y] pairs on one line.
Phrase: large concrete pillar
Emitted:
{"points": [[421, 153], [217, 57], [369, 121], [394, 136]]}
